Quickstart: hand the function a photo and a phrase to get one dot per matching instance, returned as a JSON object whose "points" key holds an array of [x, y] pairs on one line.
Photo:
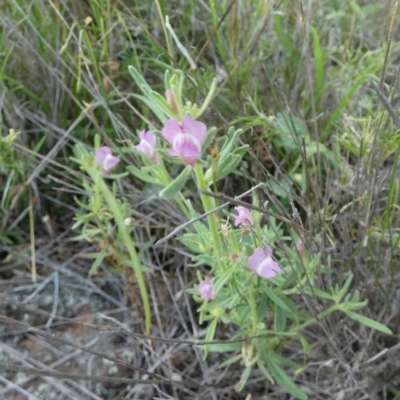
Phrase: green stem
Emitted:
{"points": [[253, 308], [119, 219], [208, 205], [321, 315], [164, 28]]}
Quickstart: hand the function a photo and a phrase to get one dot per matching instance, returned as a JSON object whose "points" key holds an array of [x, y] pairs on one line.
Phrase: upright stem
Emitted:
{"points": [[119, 219], [253, 308], [208, 205]]}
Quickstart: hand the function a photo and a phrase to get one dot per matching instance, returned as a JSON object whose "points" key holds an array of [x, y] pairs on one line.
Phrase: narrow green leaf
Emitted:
{"points": [[346, 286], [139, 80], [96, 264], [163, 105], [369, 322], [319, 65], [292, 124], [177, 184], [243, 379], [282, 35], [210, 136], [304, 343], [224, 348], [230, 361], [153, 105], [283, 379], [230, 164], [210, 336], [279, 318], [226, 165], [275, 299], [142, 175], [265, 371], [346, 99], [230, 143], [241, 151], [220, 281], [316, 292]]}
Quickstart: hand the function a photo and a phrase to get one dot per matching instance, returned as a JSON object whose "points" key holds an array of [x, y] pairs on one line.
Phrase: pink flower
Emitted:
{"points": [[206, 289], [105, 159], [186, 138], [262, 263], [147, 145], [244, 217]]}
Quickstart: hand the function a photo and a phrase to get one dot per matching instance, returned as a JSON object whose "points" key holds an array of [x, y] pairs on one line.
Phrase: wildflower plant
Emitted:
{"points": [[255, 270]]}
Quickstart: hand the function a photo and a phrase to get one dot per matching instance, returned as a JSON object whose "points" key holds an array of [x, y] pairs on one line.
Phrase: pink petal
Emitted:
{"points": [[150, 137], [145, 147], [244, 216], [171, 129], [105, 159], [109, 162], [169, 95], [195, 128], [268, 250], [300, 248], [257, 257], [187, 148], [268, 268], [147, 144], [101, 154], [262, 263], [206, 289]]}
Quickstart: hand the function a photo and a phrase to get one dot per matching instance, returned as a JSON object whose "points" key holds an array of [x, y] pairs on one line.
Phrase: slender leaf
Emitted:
{"points": [[275, 299], [142, 175], [369, 322], [283, 379], [96, 264], [319, 65], [177, 184]]}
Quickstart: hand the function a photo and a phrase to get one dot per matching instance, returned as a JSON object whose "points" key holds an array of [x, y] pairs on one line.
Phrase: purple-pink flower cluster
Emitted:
{"points": [[186, 139]]}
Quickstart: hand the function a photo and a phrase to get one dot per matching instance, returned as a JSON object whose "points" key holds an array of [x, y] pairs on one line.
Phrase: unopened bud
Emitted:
{"points": [[171, 101], [300, 248]]}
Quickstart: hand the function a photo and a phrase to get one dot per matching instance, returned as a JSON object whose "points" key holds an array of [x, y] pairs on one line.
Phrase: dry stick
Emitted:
{"points": [[127, 332], [64, 375], [385, 102], [262, 210], [390, 35], [192, 221], [312, 91], [32, 237], [212, 34], [51, 336]]}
